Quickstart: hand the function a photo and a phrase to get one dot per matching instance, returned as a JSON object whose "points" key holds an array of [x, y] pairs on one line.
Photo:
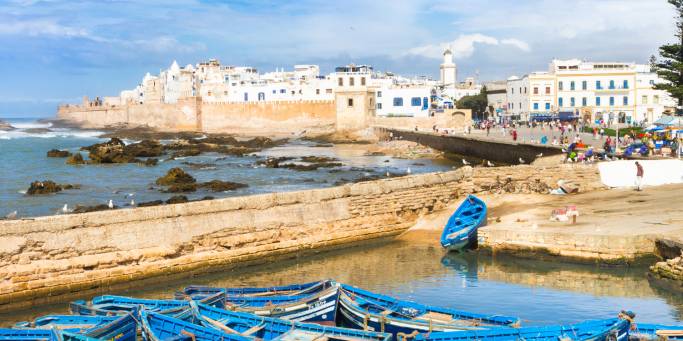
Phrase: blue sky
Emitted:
{"points": [[57, 51]]}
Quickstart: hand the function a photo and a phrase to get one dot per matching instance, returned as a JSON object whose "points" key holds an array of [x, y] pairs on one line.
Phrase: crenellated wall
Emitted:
{"points": [[55, 255]]}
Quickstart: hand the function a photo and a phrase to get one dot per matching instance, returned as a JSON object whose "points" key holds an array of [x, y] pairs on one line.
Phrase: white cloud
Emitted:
{"points": [[464, 46], [40, 27]]}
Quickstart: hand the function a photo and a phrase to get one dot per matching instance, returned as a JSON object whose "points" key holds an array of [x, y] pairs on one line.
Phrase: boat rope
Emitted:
{"points": [[365, 321]]}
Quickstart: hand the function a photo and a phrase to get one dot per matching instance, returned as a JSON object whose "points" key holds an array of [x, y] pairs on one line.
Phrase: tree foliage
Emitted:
{"points": [[670, 66], [477, 103]]}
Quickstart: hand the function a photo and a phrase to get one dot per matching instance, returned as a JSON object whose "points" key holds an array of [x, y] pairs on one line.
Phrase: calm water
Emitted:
{"points": [[538, 292], [23, 160]]}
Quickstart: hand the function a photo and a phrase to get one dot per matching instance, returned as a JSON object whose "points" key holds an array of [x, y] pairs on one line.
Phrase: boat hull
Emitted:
{"points": [[461, 229]]}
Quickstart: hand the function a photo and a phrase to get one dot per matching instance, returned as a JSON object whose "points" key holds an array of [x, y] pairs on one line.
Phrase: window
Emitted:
{"points": [[415, 101], [379, 106], [611, 101], [611, 85], [597, 101], [644, 99], [525, 89], [261, 96], [317, 91], [282, 91], [535, 90], [513, 90], [340, 81], [547, 90], [625, 83], [352, 81], [584, 101], [547, 106], [362, 81], [560, 86], [625, 100], [274, 91], [350, 102], [572, 86], [572, 102], [328, 91], [535, 106], [598, 86], [379, 94], [425, 103], [584, 85], [398, 101], [655, 99], [560, 102], [246, 96]]}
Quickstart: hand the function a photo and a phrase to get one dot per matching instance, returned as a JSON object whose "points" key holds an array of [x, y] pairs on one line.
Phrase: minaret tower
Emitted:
{"points": [[448, 70]]}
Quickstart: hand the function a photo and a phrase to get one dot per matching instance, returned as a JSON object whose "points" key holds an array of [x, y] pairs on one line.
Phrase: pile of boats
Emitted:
{"points": [[322, 310]]}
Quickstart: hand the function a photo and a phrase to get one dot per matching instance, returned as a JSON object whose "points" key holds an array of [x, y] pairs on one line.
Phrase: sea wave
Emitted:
{"points": [[22, 133], [29, 124]]}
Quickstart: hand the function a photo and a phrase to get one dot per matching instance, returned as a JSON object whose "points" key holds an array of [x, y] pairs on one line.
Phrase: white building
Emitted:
{"points": [[448, 70], [403, 100], [591, 91]]}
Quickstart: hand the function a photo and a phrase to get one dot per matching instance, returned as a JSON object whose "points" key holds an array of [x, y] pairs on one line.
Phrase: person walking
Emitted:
{"points": [[514, 135], [639, 176]]}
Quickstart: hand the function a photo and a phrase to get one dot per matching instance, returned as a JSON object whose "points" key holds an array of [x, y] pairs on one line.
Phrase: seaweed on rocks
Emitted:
{"points": [[273, 162], [58, 153], [150, 203], [93, 208], [144, 148], [48, 187], [177, 180], [75, 159], [222, 186], [177, 199]]}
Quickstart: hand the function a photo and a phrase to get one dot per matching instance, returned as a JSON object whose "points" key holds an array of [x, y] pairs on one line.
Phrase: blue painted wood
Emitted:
{"points": [[648, 331], [611, 329], [293, 289], [156, 327], [366, 310], [271, 328], [461, 228]]}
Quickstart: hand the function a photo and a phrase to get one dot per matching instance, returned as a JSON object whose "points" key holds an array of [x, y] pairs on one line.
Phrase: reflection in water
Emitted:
{"points": [[538, 292]]}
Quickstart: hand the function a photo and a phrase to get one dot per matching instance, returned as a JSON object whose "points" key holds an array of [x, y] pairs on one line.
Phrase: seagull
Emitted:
{"points": [[489, 163], [132, 202], [11, 215], [539, 155], [130, 195], [111, 204], [521, 160], [65, 209], [388, 175], [408, 171], [464, 162]]}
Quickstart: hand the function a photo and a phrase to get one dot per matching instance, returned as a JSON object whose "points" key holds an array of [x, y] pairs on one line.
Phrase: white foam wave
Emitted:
{"points": [[30, 125], [20, 133]]}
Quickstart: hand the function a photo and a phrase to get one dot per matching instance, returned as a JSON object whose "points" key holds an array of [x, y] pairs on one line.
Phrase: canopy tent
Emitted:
{"points": [[669, 121], [654, 128]]}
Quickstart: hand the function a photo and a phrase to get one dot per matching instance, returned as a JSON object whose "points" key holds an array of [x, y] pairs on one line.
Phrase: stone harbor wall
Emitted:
{"points": [[671, 269], [49, 256]]}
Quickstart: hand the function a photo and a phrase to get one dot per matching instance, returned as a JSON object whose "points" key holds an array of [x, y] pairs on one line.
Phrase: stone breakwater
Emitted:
{"points": [[670, 269], [55, 255]]}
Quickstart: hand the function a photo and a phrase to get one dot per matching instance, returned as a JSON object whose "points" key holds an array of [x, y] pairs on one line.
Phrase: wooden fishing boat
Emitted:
{"points": [[267, 328], [109, 305], [616, 329], [318, 307], [73, 327], [195, 291], [157, 327], [369, 311], [648, 331], [461, 228]]}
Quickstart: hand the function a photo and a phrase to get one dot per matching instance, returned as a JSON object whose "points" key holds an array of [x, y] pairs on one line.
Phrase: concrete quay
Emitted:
{"points": [[618, 226], [488, 148]]}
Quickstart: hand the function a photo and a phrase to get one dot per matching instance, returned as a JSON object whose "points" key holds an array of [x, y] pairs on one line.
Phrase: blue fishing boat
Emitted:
{"points": [[616, 329], [648, 331], [109, 305], [73, 327], [157, 327], [267, 328], [195, 291], [369, 311], [318, 307], [461, 228]]}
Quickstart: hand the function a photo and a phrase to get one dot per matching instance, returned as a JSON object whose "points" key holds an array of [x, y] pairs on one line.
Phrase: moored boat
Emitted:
{"points": [[73, 327], [267, 328], [195, 291], [616, 329], [461, 228], [109, 305], [157, 327], [369, 311]]}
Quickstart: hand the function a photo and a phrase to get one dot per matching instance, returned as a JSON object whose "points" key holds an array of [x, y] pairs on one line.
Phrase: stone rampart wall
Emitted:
{"points": [[55, 255], [191, 114]]}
